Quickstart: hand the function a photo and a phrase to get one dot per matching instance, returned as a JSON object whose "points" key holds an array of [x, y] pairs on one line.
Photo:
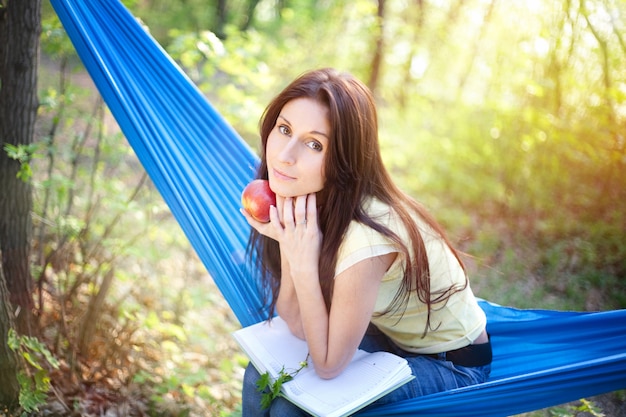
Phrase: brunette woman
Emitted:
{"points": [[348, 259]]}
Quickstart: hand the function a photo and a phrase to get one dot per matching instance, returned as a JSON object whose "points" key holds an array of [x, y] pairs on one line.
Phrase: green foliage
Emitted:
{"points": [[585, 406], [54, 41], [23, 154], [270, 388], [190, 15], [122, 294], [34, 377], [238, 59]]}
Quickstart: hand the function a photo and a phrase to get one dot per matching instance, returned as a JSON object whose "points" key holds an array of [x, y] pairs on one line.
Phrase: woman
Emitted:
{"points": [[348, 259]]}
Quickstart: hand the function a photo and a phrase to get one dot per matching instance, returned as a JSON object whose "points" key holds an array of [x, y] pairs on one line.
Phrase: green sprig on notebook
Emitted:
{"points": [[270, 388]]}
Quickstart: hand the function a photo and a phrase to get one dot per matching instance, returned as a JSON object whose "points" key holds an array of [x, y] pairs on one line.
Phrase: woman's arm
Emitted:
{"points": [[332, 337], [287, 303]]}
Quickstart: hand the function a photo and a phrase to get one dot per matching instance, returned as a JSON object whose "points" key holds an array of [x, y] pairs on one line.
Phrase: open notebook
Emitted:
{"points": [[272, 348]]}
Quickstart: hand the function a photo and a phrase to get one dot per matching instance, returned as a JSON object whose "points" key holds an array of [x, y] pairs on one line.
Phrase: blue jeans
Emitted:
{"points": [[432, 375]]}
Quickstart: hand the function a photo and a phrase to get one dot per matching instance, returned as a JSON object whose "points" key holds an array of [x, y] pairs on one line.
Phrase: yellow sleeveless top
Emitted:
{"points": [[454, 324]]}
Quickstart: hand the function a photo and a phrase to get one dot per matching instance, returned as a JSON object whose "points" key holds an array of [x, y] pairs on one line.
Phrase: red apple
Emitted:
{"points": [[257, 198]]}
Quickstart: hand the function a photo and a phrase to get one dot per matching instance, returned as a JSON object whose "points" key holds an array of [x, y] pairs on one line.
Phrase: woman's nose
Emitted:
{"points": [[287, 154]]}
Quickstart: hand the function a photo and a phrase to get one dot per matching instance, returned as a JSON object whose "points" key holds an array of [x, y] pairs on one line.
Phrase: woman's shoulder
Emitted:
{"points": [[362, 240], [376, 208], [387, 215]]}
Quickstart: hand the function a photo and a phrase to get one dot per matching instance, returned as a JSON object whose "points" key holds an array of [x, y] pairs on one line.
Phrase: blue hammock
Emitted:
{"points": [[200, 165]]}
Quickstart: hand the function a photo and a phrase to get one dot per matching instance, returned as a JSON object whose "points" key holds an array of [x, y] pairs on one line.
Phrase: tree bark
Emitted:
{"points": [[20, 27], [222, 19], [379, 48], [415, 19], [249, 18], [475, 47], [9, 388]]}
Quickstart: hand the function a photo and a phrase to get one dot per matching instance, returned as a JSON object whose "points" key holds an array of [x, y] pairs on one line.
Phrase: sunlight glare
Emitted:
{"points": [[419, 64]]}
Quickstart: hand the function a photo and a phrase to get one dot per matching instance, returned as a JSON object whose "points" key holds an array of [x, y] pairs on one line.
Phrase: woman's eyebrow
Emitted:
{"points": [[320, 133], [317, 132]]}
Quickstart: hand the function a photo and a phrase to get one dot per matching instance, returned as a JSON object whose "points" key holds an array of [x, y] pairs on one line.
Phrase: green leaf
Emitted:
{"points": [[13, 340], [263, 382], [12, 151], [54, 362], [42, 381], [29, 359], [276, 387], [266, 401], [31, 397]]}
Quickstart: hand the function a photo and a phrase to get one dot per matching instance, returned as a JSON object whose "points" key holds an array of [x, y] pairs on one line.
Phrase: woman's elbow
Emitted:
{"points": [[326, 374], [296, 329], [328, 371], [292, 318]]}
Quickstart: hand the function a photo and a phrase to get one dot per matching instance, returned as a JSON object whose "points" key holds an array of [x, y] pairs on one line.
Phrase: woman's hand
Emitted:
{"points": [[293, 223], [268, 229], [299, 234]]}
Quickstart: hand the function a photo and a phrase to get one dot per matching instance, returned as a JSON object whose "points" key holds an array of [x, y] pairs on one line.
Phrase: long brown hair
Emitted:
{"points": [[354, 171]]}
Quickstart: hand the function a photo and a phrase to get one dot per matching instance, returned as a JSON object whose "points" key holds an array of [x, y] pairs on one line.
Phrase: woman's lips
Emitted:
{"points": [[282, 176]]}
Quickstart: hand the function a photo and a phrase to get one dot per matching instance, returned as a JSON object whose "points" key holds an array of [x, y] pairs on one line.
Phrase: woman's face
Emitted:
{"points": [[296, 148]]}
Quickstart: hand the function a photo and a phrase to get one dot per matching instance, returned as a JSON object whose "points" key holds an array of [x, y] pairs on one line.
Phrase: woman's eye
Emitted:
{"points": [[315, 145], [284, 130]]}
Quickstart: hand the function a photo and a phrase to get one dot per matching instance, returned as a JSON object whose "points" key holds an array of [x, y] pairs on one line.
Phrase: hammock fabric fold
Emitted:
{"points": [[200, 165]]}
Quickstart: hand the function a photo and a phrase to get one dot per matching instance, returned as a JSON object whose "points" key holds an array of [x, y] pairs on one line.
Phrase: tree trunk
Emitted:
{"points": [[377, 59], [475, 47], [9, 388], [415, 20], [20, 26], [249, 18], [222, 19]]}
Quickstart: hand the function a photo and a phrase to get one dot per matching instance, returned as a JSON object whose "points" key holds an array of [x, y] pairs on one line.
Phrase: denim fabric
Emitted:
{"points": [[431, 376]]}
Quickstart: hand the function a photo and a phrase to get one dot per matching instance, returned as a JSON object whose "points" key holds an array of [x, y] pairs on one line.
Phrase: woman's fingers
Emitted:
{"points": [[300, 210], [311, 209], [275, 222], [271, 229], [288, 219], [280, 203]]}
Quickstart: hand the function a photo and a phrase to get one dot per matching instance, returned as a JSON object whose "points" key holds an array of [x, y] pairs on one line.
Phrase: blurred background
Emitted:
{"points": [[505, 118]]}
